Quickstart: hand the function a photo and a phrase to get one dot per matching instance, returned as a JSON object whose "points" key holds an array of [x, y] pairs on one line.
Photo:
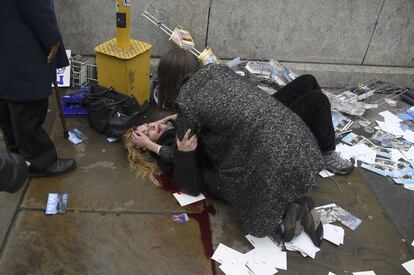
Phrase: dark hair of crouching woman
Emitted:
{"points": [[173, 71]]}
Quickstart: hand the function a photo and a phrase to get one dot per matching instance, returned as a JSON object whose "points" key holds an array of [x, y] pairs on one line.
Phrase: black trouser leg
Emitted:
{"points": [[7, 128], [33, 143], [304, 96], [315, 110], [297, 88]]}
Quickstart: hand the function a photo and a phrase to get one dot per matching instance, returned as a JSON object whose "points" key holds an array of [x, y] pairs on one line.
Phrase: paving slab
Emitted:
{"points": [[301, 31], [103, 179], [8, 207], [374, 245], [90, 243], [397, 202], [9, 203]]}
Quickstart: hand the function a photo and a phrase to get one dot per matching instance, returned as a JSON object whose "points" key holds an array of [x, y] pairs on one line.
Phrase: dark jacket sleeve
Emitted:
{"points": [[182, 166], [40, 16], [13, 172], [186, 175]]}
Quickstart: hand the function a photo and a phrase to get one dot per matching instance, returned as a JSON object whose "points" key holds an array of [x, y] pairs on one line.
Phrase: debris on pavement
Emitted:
{"points": [[184, 199], [56, 203], [364, 273], [331, 213], [409, 266], [180, 218], [76, 136]]}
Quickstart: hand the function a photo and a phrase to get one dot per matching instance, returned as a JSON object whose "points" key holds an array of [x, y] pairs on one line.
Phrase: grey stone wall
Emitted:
{"points": [[340, 32]]}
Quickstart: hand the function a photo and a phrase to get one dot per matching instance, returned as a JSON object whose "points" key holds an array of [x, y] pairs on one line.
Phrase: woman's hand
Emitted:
{"points": [[140, 140], [187, 144]]}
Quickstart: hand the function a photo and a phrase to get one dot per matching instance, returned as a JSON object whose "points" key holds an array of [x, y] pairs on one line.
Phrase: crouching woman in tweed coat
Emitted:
{"points": [[263, 154]]}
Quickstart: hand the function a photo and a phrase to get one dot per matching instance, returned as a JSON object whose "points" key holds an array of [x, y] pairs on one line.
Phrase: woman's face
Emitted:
{"points": [[152, 130]]}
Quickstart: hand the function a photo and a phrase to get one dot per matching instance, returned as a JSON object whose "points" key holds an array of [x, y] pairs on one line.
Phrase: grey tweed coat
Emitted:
{"points": [[264, 154]]}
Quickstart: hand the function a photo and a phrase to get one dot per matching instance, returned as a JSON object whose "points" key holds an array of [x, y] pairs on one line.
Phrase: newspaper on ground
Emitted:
{"points": [[331, 213]]}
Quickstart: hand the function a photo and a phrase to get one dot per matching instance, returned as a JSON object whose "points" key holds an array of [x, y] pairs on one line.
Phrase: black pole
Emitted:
{"points": [[59, 103]]}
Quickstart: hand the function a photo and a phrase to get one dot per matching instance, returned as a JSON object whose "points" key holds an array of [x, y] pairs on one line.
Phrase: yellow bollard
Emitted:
{"points": [[124, 63], [123, 24]]}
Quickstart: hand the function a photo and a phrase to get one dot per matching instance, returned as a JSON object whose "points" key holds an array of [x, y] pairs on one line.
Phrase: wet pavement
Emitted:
{"points": [[117, 224]]}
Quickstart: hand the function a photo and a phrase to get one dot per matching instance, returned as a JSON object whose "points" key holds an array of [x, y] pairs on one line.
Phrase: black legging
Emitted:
{"points": [[304, 96]]}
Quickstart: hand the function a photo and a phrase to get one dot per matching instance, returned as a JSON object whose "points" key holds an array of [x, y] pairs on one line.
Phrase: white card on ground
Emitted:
{"points": [[396, 155], [364, 273], [409, 266], [225, 254], [390, 117], [263, 244], [410, 153], [184, 199], [303, 244], [391, 128], [112, 139], [412, 243], [334, 234], [268, 251], [409, 136], [409, 186], [259, 267], [330, 273], [360, 151], [230, 269], [326, 174], [363, 153]]}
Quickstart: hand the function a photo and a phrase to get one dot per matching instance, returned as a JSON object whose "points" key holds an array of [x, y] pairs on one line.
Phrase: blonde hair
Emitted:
{"points": [[141, 160]]}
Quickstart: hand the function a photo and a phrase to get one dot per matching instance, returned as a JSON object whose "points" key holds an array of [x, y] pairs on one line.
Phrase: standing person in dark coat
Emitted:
{"points": [[31, 49], [14, 172]]}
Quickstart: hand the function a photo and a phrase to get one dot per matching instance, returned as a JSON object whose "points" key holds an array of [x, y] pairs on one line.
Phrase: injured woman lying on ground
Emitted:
{"points": [[258, 153]]}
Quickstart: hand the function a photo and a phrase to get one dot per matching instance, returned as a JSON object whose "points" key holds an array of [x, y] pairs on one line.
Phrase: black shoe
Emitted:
{"points": [[291, 223], [311, 221], [58, 168]]}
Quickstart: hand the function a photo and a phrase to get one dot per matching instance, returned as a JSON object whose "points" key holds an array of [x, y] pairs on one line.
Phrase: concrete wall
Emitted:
{"points": [[340, 32]]}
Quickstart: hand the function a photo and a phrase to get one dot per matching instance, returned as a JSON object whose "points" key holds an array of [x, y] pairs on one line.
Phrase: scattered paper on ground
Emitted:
{"points": [[267, 251], [255, 264], [326, 174], [334, 234], [184, 199], [225, 254], [230, 269], [409, 266], [364, 273], [303, 244]]}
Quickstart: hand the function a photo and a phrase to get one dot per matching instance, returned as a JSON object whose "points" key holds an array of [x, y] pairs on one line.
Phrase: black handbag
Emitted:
{"points": [[112, 113]]}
